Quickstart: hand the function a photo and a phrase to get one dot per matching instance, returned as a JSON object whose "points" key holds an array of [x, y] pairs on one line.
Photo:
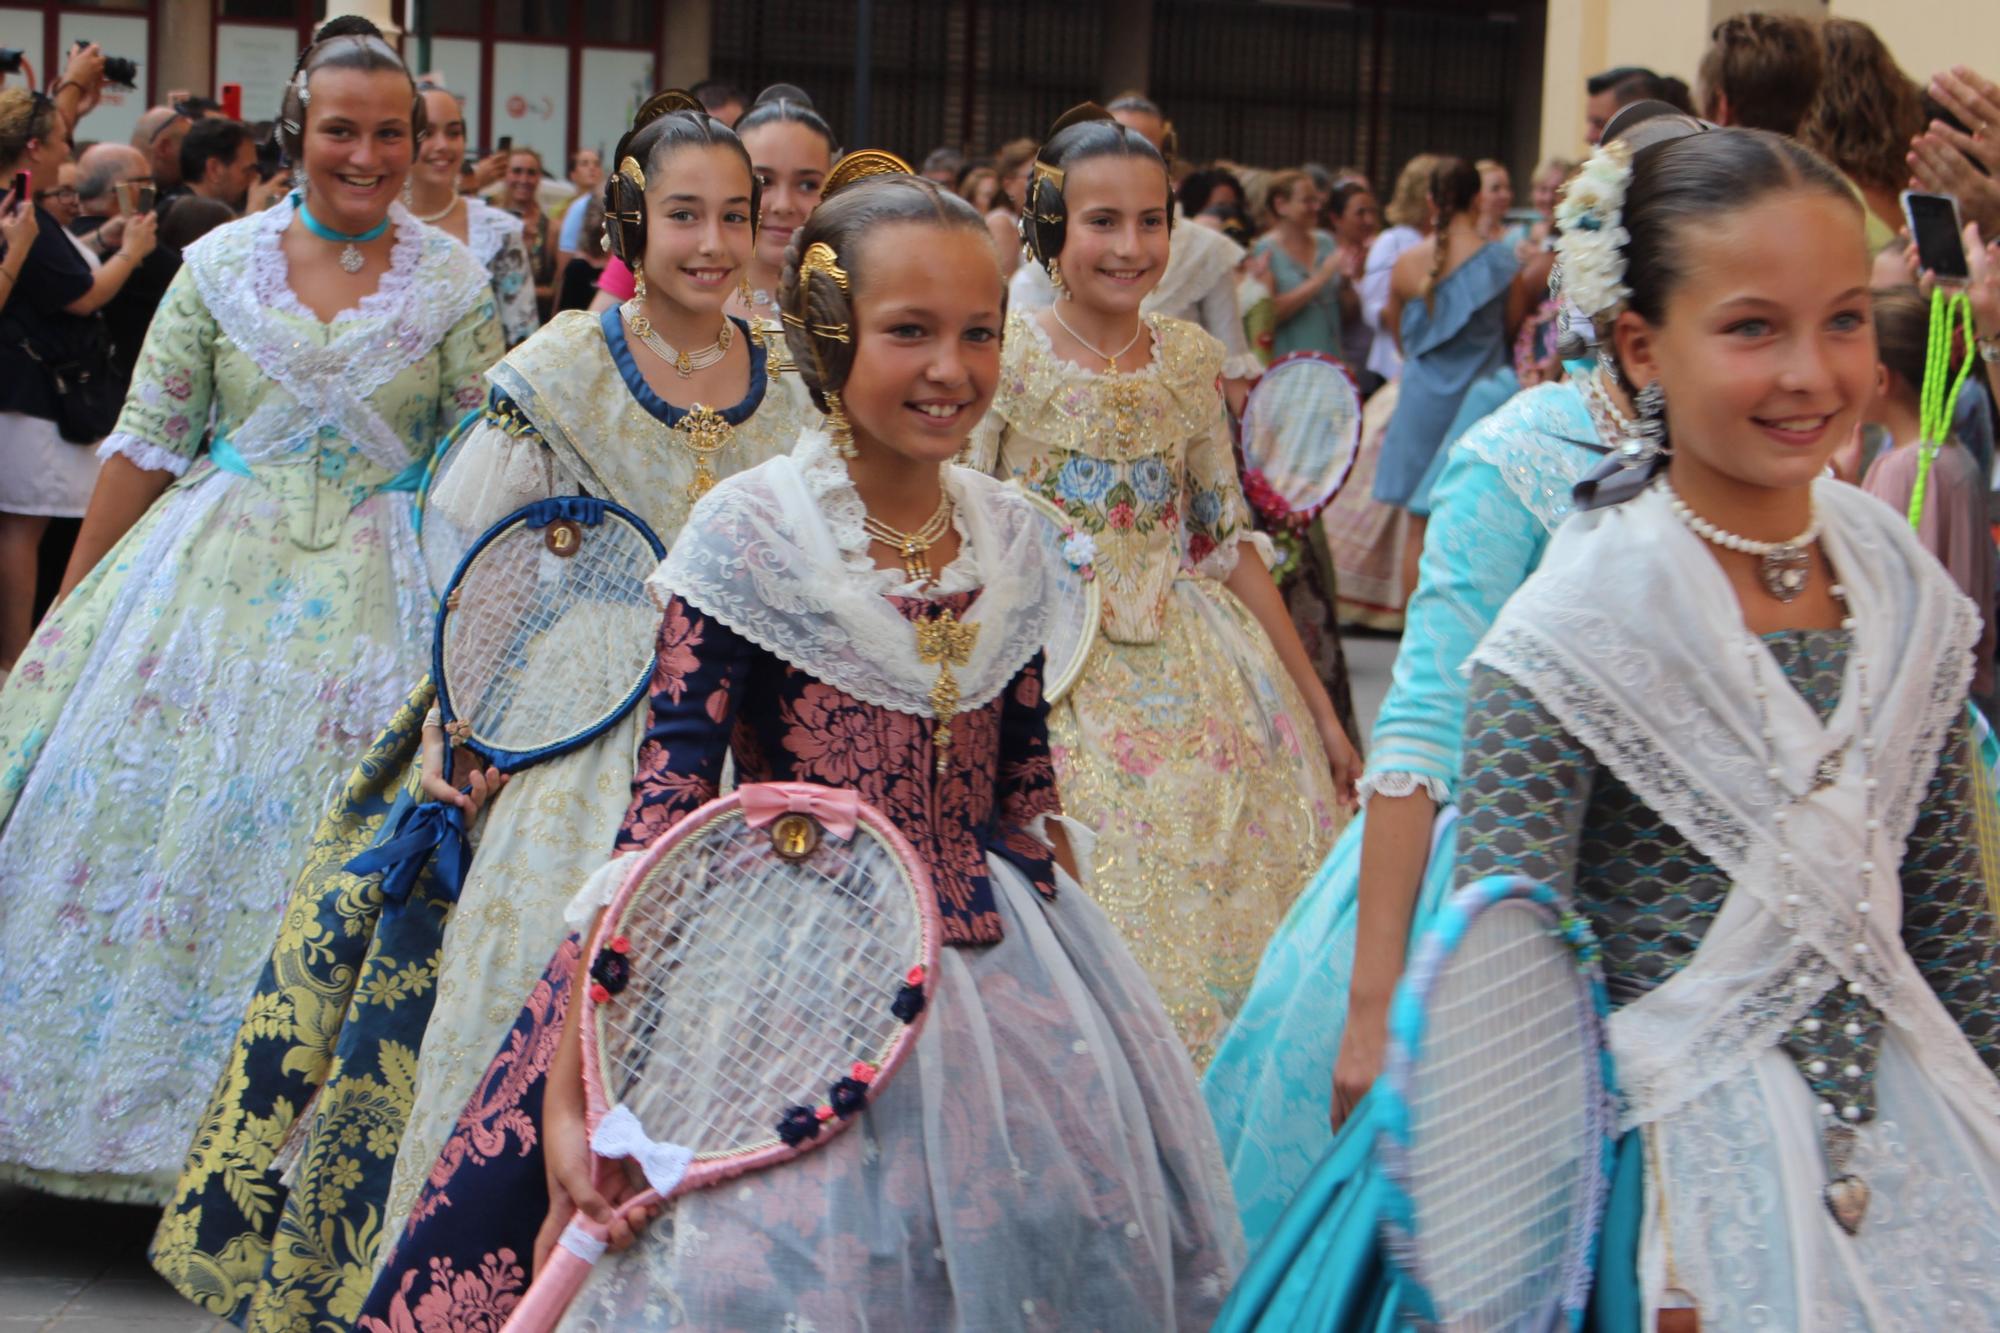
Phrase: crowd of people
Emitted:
{"points": [[1664, 480]]}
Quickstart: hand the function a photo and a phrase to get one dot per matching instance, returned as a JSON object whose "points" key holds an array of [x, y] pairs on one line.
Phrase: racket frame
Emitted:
{"points": [[1301, 516], [589, 512], [1408, 1027], [1059, 678]]}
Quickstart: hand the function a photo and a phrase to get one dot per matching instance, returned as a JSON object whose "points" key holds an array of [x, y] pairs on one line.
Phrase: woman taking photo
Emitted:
{"points": [[494, 234], [49, 328], [247, 605]]}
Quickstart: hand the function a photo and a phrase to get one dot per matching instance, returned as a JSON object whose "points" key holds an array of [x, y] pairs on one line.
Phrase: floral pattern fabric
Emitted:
{"points": [[368, 1015], [1184, 745], [1040, 1161], [169, 738], [497, 239]]}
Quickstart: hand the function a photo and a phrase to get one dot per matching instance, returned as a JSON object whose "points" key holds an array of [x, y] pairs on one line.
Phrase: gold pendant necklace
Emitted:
{"points": [[703, 432], [1110, 358], [944, 640], [685, 364], [913, 547]]}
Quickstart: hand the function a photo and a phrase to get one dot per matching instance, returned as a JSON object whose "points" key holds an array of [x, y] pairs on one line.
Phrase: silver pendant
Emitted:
{"points": [[351, 261], [1784, 571], [1847, 1199]]}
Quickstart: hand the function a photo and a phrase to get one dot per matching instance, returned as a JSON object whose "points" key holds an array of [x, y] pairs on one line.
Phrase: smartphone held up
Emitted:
{"points": [[1935, 232]]}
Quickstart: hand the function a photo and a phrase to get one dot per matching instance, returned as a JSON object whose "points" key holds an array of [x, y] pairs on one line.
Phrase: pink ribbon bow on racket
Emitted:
{"points": [[836, 808]]}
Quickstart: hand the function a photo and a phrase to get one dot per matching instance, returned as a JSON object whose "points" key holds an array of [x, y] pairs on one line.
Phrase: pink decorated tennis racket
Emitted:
{"points": [[759, 975]]}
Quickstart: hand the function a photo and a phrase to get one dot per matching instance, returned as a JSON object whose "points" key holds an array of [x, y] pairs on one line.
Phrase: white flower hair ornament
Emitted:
{"points": [[1591, 236]]}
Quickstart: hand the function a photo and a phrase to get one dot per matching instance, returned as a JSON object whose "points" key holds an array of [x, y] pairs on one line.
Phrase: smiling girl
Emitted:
{"points": [[1199, 744], [1042, 1160], [249, 603], [791, 149], [494, 234], [594, 405]]}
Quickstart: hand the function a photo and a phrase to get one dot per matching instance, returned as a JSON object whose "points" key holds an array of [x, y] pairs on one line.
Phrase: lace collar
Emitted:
{"points": [[776, 554], [271, 270], [659, 408]]}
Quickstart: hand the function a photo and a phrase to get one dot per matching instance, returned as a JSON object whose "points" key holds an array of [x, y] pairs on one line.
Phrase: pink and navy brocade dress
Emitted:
{"points": [[1042, 1160]]}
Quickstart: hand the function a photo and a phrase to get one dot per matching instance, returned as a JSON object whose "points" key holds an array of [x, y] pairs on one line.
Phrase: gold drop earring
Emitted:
{"points": [[743, 291], [839, 429], [635, 309], [1056, 277]]}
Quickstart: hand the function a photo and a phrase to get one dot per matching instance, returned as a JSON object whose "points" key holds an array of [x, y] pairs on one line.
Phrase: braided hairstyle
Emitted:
{"points": [[668, 122], [868, 190], [1082, 133], [1455, 187], [347, 42]]}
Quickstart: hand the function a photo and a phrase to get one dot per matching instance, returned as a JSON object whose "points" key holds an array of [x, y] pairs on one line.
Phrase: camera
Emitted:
{"points": [[10, 60], [118, 70]]}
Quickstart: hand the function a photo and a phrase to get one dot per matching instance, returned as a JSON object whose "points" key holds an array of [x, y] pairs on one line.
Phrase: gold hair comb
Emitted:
{"points": [[860, 165]]}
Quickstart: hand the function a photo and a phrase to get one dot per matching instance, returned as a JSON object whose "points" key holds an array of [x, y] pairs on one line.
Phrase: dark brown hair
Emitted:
{"points": [[1902, 333], [347, 42], [1083, 133], [1769, 68]]}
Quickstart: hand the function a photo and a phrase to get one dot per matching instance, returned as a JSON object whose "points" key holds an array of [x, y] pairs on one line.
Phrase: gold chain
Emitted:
{"points": [[945, 641], [685, 364], [913, 547]]}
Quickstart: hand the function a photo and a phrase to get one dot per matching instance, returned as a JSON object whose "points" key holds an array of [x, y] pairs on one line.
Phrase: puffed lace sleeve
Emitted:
{"points": [[497, 464], [173, 385]]}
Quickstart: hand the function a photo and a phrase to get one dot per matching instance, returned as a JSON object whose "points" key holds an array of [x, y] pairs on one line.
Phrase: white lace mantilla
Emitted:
{"points": [[779, 555], [245, 281], [1631, 637]]}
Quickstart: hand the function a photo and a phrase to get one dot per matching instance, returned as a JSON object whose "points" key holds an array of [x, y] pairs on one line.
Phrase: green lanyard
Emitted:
{"points": [[1938, 401]]}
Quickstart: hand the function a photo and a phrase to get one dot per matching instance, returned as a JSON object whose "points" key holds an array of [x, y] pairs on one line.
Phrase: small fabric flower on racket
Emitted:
{"points": [[800, 1124], [909, 1000], [611, 969], [1081, 551], [848, 1096]]}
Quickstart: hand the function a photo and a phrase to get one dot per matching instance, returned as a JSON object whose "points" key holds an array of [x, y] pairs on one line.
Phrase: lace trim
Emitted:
{"points": [[1242, 366], [832, 489], [144, 454], [1067, 405], [1539, 445], [271, 271], [1399, 784], [755, 555], [488, 228], [1220, 563]]}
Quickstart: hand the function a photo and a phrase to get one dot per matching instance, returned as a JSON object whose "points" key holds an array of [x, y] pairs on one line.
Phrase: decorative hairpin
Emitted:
{"points": [[860, 165]]}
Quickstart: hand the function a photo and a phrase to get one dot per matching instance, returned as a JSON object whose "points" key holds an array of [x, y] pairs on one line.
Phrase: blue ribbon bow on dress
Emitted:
{"points": [[432, 830]]}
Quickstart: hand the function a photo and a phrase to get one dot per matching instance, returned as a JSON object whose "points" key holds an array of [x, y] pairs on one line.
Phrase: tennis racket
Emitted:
{"points": [[544, 639], [1497, 1131], [1301, 433], [1075, 601], [758, 976]]}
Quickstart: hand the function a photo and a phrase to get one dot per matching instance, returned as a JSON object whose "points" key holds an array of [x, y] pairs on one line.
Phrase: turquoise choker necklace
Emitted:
{"points": [[350, 258]]}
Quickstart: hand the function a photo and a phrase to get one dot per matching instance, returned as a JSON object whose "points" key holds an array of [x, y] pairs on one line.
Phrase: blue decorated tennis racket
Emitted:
{"points": [[1498, 1123], [544, 640]]}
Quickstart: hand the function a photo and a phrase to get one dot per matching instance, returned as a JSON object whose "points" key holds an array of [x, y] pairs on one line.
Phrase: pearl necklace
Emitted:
{"points": [[1612, 422], [1110, 358], [432, 219], [1845, 1195], [1782, 567], [685, 364]]}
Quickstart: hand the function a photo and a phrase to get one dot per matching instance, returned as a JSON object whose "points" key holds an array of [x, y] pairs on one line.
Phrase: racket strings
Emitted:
{"points": [[1500, 1120], [755, 982], [538, 648]]}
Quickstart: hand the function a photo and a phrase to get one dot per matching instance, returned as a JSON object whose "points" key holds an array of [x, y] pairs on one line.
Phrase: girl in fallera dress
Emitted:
{"points": [[337, 1099], [1726, 720], [1199, 744], [493, 234], [791, 149], [254, 606], [1042, 1159]]}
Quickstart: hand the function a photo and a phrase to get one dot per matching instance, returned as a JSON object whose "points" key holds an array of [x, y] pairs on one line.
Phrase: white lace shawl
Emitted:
{"points": [[499, 241], [1630, 636], [245, 281], [779, 555]]}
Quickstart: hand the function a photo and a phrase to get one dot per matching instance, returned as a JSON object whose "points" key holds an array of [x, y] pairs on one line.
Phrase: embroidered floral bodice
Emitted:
{"points": [[1141, 461]]}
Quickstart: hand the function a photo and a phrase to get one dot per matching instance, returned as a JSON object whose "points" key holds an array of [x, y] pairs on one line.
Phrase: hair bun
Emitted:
{"points": [[860, 165], [784, 92]]}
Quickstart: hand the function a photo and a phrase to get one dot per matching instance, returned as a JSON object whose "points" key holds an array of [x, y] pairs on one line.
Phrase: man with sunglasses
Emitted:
{"points": [[158, 135]]}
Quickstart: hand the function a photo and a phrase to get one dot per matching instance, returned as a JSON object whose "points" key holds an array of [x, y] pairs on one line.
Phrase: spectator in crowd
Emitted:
{"points": [[219, 161], [1311, 278], [1959, 153], [945, 166], [50, 326], [158, 135], [59, 199], [81, 86], [721, 99], [586, 173], [522, 197], [1496, 196], [1616, 88], [586, 266], [1409, 219], [1866, 114], [980, 187], [101, 227], [18, 229], [1762, 71], [191, 219], [1674, 91], [1012, 165], [1356, 219]]}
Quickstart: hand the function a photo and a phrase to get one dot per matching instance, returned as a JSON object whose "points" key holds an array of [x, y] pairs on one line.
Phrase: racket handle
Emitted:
{"points": [[576, 1252]]}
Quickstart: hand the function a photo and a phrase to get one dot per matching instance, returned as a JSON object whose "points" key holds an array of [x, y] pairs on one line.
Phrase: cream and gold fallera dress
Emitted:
{"points": [[376, 1017], [1184, 743]]}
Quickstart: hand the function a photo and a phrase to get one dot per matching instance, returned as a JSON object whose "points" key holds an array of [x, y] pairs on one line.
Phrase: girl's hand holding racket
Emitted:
{"points": [[574, 1186], [468, 787]]}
